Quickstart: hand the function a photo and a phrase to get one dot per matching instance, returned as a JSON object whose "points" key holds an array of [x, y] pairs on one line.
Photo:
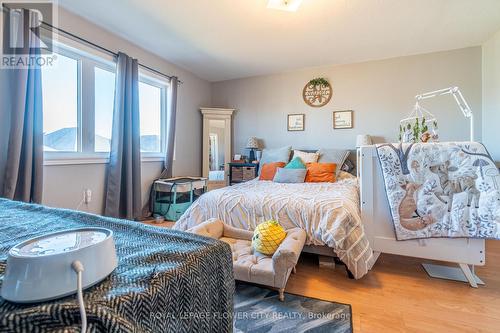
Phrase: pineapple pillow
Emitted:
{"points": [[267, 237]]}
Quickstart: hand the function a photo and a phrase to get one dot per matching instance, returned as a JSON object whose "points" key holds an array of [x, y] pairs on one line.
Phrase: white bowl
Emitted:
{"points": [[39, 269]]}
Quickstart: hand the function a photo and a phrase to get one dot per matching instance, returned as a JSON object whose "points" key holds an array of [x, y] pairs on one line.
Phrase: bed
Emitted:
{"points": [[166, 280], [328, 212]]}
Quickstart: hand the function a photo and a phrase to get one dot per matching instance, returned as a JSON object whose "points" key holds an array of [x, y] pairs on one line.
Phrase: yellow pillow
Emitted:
{"points": [[267, 237]]}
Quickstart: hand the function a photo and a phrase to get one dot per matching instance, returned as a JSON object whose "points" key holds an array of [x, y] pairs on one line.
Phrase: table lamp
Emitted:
{"points": [[363, 140], [252, 144]]}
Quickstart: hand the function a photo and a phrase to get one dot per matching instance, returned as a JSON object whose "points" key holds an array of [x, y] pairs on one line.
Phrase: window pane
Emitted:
{"points": [[150, 117], [60, 105], [104, 100]]}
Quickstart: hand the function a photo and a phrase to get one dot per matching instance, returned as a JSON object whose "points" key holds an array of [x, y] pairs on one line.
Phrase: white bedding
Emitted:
{"points": [[328, 212]]}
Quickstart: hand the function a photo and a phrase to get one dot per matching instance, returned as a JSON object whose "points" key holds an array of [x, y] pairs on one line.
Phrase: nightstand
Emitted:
{"points": [[242, 172]]}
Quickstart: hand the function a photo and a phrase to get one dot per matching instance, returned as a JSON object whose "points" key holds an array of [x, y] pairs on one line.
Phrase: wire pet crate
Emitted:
{"points": [[419, 126], [173, 196]]}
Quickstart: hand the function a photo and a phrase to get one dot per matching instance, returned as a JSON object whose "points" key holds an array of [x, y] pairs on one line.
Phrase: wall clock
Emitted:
{"points": [[317, 92]]}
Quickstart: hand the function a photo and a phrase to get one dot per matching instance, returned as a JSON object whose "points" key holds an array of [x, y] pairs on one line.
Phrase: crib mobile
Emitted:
{"points": [[419, 126], [422, 126]]}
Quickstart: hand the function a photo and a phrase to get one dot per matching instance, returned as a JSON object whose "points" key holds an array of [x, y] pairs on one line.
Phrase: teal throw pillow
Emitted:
{"points": [[296, 163]]}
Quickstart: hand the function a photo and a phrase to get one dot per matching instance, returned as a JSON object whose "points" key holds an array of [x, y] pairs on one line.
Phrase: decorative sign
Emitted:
{"points": [[317, 92], [342, 119], [295, 122]]}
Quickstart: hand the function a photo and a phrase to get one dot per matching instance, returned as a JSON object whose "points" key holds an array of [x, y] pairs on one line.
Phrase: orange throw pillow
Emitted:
{"points": [[320, 172], [269, 170]]}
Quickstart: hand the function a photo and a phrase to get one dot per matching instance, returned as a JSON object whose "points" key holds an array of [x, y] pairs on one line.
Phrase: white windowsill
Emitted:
{"points": [[152, 158], [75, 161], [98, 158]]}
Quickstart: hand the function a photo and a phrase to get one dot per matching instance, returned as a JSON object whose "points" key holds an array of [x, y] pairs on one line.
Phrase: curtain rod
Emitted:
{"points": [[101, 48]]}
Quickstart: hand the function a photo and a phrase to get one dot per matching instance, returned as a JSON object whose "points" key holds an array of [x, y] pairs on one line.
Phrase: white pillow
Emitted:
{"points": [[306, 157]]}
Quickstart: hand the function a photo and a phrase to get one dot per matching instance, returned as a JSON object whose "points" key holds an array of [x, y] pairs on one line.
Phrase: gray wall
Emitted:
{"points": [[64, 184], [379, 92], [491, 95]]}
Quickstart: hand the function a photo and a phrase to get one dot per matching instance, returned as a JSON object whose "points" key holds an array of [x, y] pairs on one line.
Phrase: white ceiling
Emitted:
{"points": [[226, 39]]}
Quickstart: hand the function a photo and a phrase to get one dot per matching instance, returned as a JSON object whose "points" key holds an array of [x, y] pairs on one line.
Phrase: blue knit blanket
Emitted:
{"points": [[166, 280]]}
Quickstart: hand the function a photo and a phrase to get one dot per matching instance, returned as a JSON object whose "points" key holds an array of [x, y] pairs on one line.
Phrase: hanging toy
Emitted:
{"points": [[419, 126]]}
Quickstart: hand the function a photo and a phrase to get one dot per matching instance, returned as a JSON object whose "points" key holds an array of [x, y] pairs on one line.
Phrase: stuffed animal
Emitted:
{"points": [[267, 237], [425, 137]]}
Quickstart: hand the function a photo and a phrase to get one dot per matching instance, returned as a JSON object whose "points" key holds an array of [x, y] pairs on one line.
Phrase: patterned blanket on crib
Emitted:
{"points": [[448, 189]]}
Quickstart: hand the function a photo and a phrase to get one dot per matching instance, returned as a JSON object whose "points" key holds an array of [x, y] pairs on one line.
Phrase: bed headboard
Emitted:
{"points": [[352, 157]]}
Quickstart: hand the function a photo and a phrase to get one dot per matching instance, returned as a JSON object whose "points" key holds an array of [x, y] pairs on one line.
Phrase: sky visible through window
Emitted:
{"points": [[60, 108], [60, 104], [104, 101], [150, 117]]}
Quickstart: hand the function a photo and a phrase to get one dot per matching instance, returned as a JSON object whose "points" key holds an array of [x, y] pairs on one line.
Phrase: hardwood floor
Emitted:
{"points": [[164, 224], [399, 296]]}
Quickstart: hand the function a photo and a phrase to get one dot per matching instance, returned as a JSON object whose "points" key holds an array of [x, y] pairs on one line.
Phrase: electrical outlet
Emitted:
{"points": [[87, 196]]}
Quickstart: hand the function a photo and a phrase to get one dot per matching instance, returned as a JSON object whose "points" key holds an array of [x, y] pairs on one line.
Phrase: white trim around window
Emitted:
{"points": [[85, 144], [75, 158]]}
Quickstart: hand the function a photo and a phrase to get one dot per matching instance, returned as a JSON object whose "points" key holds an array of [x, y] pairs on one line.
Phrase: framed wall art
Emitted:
{"points": [[342, 119], [295, 122]]}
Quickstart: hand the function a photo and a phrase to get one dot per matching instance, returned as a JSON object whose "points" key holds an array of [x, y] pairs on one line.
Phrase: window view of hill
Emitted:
{"points": [[65, 139]]}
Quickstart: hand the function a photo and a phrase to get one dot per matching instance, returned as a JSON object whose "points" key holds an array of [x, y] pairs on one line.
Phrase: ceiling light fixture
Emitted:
{"points": [[288, 5]]}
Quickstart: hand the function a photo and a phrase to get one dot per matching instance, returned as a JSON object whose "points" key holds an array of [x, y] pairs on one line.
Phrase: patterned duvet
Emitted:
{"points": [[328, 212], [166, 280]]}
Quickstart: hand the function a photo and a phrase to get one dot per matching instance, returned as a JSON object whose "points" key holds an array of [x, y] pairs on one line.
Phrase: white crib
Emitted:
{"points": [[379, 228]]}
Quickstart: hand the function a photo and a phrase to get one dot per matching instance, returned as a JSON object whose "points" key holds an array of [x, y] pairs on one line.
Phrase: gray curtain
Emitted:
{"points": [[23, 172], [123, 190], [170, 142]]}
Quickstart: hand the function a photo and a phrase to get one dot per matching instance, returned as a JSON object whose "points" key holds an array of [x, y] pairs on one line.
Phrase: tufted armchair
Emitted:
{"points": [[252, 266]]}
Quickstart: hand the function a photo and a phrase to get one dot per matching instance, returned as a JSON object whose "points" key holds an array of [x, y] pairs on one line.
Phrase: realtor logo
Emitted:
{"points": [[22, 43]]}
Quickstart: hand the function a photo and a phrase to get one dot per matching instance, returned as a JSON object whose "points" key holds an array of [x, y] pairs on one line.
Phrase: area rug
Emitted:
{"points": [[258, 310]]}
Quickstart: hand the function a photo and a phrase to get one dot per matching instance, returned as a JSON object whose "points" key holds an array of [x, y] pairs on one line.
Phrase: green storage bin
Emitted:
{"points": [[173, 196]]}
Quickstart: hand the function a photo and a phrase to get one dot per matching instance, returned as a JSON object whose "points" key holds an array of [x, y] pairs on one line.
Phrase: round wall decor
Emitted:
{"points": [[317, 92]]}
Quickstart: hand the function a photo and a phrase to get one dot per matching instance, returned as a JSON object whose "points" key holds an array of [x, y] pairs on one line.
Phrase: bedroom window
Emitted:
{"points": [[151, 98], [78, 98], [61, 105], [104, 90]]}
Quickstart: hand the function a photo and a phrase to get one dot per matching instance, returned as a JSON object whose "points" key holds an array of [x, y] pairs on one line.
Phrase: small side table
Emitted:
{"points": [[242, 172]]}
